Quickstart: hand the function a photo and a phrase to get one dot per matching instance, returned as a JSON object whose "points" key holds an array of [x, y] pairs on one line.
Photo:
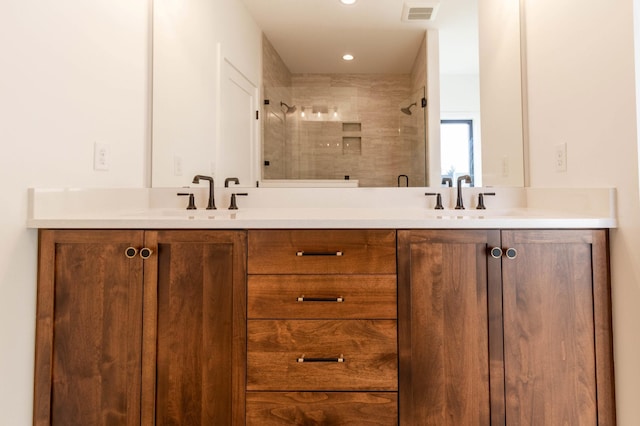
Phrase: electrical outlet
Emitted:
{"points": [[561, 157], [177, 165], [100, 156]]}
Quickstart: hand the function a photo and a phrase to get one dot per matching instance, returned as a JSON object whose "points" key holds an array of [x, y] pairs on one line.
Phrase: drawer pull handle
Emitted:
{"points": [[320, 299], [319, 253], [303, 359]]}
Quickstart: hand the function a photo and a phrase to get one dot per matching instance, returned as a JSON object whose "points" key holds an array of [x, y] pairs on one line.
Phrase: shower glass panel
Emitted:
{"points": [[331, 128]]}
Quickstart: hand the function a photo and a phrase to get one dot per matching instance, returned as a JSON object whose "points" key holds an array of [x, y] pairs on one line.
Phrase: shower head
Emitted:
{"points": [[407, 110], [290, 109]]}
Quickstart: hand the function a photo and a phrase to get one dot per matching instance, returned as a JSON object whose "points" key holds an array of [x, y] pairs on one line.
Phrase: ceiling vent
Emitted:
{"points": [[419, 12]]}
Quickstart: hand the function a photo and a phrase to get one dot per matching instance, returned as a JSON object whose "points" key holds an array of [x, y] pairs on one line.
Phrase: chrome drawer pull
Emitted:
{"points": [[319, 253], [303, 359], [319, 299]]}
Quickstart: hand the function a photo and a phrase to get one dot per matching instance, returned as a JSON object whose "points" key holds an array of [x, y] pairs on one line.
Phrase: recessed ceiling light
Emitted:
{"points": [[347, 57], [348, 2]]}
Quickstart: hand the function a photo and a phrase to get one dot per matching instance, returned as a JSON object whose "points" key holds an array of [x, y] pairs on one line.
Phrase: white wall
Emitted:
{"points": [[500, 95], [581, 87], [185, 70], [188, 37], [71, 73]]}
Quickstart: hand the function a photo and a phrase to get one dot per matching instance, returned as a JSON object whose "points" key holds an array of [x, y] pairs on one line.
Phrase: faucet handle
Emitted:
{"points": [[192, 202], [481, 199], [233, 205], [438, 199]]}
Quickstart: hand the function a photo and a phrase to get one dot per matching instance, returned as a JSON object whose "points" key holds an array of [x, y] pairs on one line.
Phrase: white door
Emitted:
{"points": [[236, 153]]}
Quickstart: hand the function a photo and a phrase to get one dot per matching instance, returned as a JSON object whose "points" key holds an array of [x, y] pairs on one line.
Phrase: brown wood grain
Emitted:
{"points": [[605, 386], [322, 408], [364, 251], [201, 283], [164, 341], [88, 345], [443, 327], [365, 296], [369, 348], [550, 365]]}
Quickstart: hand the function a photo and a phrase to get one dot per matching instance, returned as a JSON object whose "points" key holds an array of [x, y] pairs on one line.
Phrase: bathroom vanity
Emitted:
{"points": [[214, 319]]}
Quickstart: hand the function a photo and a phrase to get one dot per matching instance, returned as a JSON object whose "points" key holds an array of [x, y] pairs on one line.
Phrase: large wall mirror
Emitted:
{"points": [[427, 79]]}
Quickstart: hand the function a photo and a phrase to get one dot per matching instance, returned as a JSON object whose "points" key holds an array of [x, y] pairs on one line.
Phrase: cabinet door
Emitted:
{"points": [[443, 327], [557, 332], [197, 328], [89, 328]]}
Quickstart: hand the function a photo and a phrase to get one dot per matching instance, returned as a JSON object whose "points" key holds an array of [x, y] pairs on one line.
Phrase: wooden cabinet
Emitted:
{"points": [[322, 251], [444, 298], [520, 338], [195, 328], [322, 328], [122, 340], [557, 328], [314, 327], [89, 329]]}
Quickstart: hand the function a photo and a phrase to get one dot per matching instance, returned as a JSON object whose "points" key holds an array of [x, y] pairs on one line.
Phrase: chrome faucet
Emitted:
{"points": [[211, 205], [459, 202]]}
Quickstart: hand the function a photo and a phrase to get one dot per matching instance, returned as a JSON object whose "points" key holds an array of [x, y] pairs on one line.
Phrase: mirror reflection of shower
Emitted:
{"points": [[288, 109], [407, 110], [347, 130]]}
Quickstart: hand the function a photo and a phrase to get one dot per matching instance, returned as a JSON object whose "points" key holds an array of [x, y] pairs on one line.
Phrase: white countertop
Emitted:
{"points": [[392, 208]]}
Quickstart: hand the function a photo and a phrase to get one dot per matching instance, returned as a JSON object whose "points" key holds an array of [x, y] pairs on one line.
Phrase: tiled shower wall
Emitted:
{"points": [[360, 132]]}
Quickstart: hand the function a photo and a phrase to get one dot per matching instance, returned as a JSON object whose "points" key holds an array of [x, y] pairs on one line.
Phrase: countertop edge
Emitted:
{"points": [[288, 223]]}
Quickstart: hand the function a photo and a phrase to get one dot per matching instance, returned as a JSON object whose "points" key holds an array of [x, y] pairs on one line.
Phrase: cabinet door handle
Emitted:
{"points": [[319, 299], [318, 253], [145, 252], [130, 252], [511, 253], [302, 359], [496, 252]]}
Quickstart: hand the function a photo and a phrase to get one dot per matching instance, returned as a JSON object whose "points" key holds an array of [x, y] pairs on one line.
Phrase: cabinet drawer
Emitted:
{"points": [[322, 355], [322, 252], [326, 408], [322, 296]]}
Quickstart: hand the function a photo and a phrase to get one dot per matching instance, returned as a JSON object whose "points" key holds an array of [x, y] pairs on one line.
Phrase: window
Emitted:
{"points": [[456, 149]]}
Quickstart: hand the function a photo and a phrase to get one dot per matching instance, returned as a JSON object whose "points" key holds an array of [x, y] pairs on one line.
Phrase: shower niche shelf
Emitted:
{"points": [[351, 127], [351, 139]]}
